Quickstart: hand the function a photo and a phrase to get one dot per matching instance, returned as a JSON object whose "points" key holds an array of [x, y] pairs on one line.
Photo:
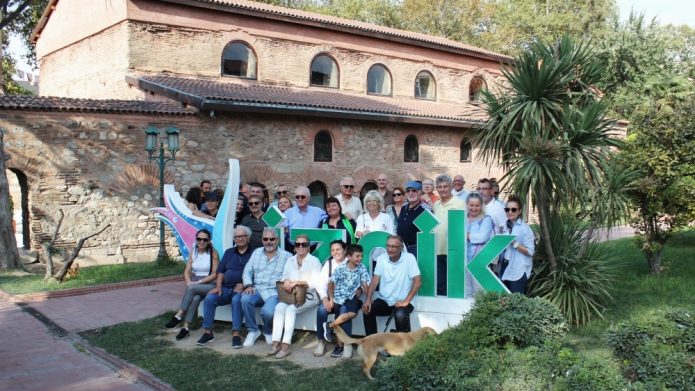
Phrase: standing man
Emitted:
{"points": [[399, 280], [405, 228], [442, 207], [256, 189], [280, 190], [492, 207], [382, 182], [458, 190], [303, 215], [352, 207], [228, 288], [205, 187], [254, 221], [260, 274]]}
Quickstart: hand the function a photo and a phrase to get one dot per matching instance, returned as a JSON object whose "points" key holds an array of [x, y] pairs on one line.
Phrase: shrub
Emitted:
{"points": [[498, 319], [581, 285], [658, 348]]}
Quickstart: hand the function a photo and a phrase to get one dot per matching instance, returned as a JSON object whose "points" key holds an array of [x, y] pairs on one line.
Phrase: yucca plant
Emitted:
{"points": [[581, 284]]}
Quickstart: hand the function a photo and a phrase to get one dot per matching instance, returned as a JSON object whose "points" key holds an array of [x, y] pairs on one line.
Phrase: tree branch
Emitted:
{"points": [[75, 252], [14, 14]]}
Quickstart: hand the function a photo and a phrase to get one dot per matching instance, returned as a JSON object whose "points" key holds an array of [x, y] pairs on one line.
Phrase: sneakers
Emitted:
{"points": [[320, 349], [347, 352], [328, 333], [251, 338], [173, 322], [236, 342], [183, 333], [268, 338], [205, 339], [337, 351]]}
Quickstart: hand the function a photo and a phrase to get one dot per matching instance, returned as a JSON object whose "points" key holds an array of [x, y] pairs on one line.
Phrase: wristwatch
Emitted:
{"points": [[516, 245]]}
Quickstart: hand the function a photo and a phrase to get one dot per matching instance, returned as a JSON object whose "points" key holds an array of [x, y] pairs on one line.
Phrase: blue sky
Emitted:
{"points": [[666, 11]]}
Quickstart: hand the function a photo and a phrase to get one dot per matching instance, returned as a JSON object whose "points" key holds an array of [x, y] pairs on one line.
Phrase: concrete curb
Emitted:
{"points": [[42, 296]]}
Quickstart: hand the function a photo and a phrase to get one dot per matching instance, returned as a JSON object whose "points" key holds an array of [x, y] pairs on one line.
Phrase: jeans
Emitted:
{"points": [[212, 301], [381, 308], [248, 307], [441, 275], [322, 317], [284, 318], [191, 299]]}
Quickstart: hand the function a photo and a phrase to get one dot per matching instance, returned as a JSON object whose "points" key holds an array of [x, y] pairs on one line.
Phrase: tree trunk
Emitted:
{"points": [[48, 257], [75, 252], [655, 262], [9, 255], [545, 234]]}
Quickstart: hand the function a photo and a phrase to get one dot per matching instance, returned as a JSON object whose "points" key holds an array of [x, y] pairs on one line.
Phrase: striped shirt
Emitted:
{"points": [[263, 273]]}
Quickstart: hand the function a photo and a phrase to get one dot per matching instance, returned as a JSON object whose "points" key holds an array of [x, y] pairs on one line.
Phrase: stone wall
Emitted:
{"points": [[93, 166]]}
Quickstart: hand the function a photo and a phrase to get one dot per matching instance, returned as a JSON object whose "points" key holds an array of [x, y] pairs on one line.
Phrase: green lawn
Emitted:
{"points": [[90, 276], [637, 291], [206, 369]]}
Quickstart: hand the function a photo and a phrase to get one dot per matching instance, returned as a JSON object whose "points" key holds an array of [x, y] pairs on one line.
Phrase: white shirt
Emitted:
{"points": [[322, 279], [396, 278], [463, 194], [309, 272], [201, 264], [353, 208], [495, 209], [382, 222]]}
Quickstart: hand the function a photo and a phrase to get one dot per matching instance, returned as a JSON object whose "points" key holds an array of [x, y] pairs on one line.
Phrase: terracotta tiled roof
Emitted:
{"points": [[35, 103], [221, 95], [328, 21]]}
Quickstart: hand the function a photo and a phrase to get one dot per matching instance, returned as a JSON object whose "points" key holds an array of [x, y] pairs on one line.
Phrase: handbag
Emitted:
{"points": [[296, 296]]}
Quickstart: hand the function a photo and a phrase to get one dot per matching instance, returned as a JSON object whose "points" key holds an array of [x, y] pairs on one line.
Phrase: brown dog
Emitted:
{"points": [[395, 344]]}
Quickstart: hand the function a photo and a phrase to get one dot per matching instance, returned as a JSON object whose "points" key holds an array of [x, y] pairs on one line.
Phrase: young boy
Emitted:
{"points": [[344, 291]]}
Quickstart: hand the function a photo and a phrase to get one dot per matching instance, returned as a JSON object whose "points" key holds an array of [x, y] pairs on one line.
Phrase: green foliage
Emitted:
{"points": [[580, 286], [498, 320], [658, 348]]}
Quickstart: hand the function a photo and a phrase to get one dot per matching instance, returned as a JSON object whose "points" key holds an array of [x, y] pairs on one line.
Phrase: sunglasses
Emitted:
{"points": [[301, 244], [268, 239], [397, 194], [513, 210], [300, 197], [282, 192], [204, 240], [254, 203], [349, 186]]}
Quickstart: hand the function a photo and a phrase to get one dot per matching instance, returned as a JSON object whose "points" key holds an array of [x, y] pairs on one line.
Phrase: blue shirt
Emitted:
{"points": [[263, 273], [404, 224], [311, 218], [232, 266], [519, 264], [346, 281], [479, 232]]}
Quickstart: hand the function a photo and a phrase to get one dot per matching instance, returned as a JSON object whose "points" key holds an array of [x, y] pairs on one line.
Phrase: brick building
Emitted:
{"points": [[297, 97]]}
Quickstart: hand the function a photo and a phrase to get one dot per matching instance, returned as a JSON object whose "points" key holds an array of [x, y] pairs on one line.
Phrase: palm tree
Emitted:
{"points": [[549, 130]]}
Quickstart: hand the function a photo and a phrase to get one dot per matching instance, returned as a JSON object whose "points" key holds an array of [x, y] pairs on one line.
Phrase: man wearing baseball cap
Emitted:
{"points": [[405, 228]]}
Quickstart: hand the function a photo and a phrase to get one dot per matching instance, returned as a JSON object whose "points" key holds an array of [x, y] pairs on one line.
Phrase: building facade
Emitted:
{"points": [[298, 98]]}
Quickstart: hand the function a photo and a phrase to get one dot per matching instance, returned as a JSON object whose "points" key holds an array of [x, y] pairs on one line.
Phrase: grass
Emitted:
{"points": [[90, 276], [637, 291], [205, 369]]}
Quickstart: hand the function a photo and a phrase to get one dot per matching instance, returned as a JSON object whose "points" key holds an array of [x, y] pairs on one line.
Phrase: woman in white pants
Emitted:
{"points": [[303, 269]]}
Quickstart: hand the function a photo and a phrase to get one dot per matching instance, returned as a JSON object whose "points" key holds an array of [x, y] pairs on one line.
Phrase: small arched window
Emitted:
{"points": [[324, 72], [466, 148], [378, 80], [411, 150], [239, 60], [425, 86], [475, 89], [323, 147]]}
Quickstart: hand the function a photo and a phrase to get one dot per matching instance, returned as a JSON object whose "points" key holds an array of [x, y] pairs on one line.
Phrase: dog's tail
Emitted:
{"points": [[342, 337]]}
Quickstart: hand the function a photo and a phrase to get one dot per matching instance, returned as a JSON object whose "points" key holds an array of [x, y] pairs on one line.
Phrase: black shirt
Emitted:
{"points": [[232, 266], [405, 227]]}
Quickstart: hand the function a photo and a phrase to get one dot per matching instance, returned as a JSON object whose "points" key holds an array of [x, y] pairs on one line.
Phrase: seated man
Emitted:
{"points": [[228, 287], [400, 279], [260, 274]]}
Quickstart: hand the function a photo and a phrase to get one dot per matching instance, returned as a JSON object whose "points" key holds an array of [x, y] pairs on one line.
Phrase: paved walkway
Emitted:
{"points": [[34, 358]]}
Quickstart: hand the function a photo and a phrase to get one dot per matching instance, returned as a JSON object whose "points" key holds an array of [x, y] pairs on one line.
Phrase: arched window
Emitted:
{"points": [[324, 72], [369, 185], [238, 60], [318, 194], [466, 148], [425, 86], [378, 80], [475, 88], [323, 147], [411, 150]]}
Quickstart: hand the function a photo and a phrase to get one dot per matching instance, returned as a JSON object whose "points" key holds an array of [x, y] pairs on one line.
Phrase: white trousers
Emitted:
{"points": [[284, 318]]}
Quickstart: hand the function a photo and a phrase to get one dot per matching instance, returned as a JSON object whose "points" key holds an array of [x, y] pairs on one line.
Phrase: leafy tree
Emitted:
{"points": [[17, 17], [661, 146]]}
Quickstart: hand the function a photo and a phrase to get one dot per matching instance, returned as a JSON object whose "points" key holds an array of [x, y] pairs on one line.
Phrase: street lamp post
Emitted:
{"points": [[172, 139]]}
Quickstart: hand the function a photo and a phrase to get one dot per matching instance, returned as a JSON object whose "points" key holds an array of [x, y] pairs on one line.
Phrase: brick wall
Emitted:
{"points": [[93, 166]]}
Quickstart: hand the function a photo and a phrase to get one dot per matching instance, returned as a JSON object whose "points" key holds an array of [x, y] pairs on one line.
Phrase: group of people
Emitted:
{"points": [[246, 275]]}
